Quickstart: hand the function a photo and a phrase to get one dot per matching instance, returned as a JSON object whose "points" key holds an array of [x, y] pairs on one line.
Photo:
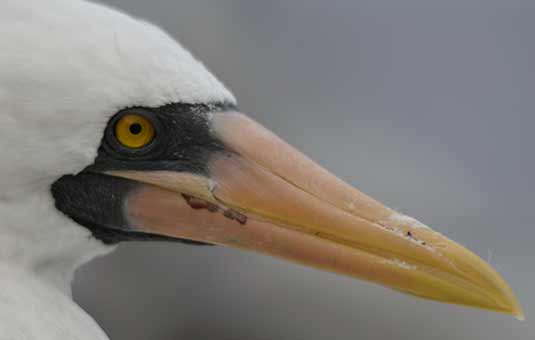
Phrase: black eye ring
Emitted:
{"points": [[112, 145]]}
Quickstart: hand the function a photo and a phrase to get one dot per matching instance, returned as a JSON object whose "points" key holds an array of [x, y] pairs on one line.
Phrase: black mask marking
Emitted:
{"points": [[96, 202], [183, 143]]}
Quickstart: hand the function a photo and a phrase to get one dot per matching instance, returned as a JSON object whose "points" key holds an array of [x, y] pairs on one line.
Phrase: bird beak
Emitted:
{"points": [[263, 195]]}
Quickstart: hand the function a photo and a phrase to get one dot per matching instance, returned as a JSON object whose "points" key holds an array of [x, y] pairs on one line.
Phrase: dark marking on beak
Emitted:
{"points": [[234, 215], [198, 204]]}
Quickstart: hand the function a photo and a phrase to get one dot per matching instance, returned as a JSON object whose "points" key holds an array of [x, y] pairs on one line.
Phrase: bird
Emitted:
{"points": [[112, 132]]}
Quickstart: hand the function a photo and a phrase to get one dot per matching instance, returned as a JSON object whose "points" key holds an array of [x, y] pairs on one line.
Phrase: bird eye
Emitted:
{"points": [[134, 131]]}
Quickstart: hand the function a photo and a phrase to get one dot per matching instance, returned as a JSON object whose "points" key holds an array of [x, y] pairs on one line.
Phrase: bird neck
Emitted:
{"points": [[37, 238]]}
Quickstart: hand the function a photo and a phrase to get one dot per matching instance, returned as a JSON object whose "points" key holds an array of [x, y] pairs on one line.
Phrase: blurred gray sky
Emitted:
{"points": [[427, 106]]}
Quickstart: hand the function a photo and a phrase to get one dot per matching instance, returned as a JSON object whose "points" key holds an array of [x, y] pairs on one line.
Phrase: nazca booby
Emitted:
{"points": [[112, 131]]}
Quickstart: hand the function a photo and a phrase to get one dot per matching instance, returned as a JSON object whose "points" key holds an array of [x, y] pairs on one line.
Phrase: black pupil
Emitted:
{"points": [[135, 128]]}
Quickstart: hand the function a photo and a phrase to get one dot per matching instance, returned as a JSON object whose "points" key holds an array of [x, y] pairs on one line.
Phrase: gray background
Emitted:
{"points": [[427, 106]]}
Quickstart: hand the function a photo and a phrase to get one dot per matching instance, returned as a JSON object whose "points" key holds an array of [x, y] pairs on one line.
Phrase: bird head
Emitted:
{"points": [[133, 139]]}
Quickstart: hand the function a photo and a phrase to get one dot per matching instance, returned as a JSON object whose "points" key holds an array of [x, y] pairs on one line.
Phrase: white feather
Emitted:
{"points": [[66, 67]]}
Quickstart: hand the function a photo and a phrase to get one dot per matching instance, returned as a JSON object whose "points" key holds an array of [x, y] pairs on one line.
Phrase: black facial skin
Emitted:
{"points": [[182, 143]]}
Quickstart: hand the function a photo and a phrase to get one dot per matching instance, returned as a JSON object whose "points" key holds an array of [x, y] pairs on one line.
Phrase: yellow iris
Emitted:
{"points": [[134, 131]]}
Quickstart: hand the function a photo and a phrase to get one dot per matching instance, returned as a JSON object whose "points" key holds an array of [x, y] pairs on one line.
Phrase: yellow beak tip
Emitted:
{"points": [[518, 313]]}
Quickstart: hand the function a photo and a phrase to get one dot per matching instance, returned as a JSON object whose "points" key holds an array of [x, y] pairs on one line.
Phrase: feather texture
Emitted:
{"points": [[66, 67]]}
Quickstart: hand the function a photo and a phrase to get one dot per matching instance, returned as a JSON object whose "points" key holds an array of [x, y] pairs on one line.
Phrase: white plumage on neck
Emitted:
{"points": [[40, 250], [37, 238]]}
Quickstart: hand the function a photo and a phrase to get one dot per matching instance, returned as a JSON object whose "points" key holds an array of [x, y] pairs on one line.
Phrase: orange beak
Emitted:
{"points": [[263, 195]]}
